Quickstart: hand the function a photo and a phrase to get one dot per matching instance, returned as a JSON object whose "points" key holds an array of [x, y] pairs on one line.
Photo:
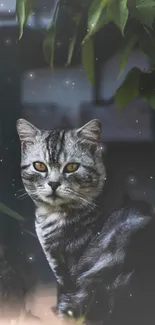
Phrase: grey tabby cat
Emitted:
{"points": [[64, 174]]}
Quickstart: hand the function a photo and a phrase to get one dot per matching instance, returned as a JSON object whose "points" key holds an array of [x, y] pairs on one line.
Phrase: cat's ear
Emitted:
{"points": [[91, 131], [26, 130]]}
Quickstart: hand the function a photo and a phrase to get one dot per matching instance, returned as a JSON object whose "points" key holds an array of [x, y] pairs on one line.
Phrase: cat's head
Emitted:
{"points": [[62, 167]]}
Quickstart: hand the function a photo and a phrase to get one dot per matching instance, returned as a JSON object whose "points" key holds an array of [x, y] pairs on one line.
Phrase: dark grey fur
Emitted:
{"points": [[79, 247]]}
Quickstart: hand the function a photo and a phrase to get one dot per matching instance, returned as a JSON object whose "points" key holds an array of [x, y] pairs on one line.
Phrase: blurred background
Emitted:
{"points": [[65, 99]]}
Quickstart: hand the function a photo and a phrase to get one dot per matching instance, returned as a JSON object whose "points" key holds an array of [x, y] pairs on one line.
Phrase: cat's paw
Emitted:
{"points": [[54, 310], [67, 308], [72, 305]]}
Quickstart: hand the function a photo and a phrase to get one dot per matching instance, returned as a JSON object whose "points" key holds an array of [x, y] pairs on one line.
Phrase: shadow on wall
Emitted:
{"points": [[64, 99], [48, 116], [132, 124]]}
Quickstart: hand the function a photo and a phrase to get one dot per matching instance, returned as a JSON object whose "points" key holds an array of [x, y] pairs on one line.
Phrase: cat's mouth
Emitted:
{"points": [[53, 196]]}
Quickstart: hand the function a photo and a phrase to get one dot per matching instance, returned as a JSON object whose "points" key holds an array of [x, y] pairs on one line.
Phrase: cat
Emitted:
{"points": [[64, 174]]}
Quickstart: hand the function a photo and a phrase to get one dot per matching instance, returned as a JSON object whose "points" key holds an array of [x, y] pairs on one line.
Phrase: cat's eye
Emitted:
{"points": [[71, 167], [40, 166]]}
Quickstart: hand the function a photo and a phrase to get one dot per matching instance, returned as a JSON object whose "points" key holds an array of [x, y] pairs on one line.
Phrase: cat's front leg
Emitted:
{"points": [[74, 304], [59, 292]]}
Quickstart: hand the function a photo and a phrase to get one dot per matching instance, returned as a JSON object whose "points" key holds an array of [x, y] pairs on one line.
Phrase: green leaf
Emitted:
{"points": [[129, 44], [129, 88], [73, 40], [23, 11], [146, 5], [71, 48], [28, 9], [144, 11], [118, 11], [20, 11], [88, 60], [94, 14], [49, 45], [147, 43], [10, 212], [102, 21], [49, 40]]}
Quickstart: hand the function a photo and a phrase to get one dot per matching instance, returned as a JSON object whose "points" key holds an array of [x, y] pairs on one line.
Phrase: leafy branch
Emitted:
{"points": [[13, 214], [135, 20]]}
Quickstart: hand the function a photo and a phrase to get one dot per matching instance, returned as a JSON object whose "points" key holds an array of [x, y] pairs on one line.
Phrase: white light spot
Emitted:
{"points": [[59, 44], [7, 41], [31, 258], [151, 177], [131, 180], [70, 313], [31, 75], [137, 121], [8, 79], [140, 132], [130, 294]]}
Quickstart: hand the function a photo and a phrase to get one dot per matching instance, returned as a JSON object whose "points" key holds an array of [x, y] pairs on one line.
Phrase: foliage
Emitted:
{"points": [[13, 214], [88, 59], [10, 212], [23, 10], [134, 18]]}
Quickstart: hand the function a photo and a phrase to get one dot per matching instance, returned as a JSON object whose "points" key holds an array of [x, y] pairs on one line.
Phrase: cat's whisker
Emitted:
{"points": [[82, 200], [21, 190], [24, 194]]}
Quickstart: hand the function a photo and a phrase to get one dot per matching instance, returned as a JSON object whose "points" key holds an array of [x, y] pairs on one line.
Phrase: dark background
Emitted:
{"points": [[64, 98]]}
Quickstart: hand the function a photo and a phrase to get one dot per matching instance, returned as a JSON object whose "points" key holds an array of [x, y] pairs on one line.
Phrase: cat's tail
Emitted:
{"points": [[108, 249]]}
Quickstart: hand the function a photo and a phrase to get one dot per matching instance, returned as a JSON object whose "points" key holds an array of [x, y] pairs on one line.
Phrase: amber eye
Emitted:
{"points": [[40, 167], [71, 167]]}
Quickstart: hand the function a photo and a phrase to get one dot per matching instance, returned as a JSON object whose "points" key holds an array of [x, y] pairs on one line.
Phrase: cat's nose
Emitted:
{"points": [[54, 185]]}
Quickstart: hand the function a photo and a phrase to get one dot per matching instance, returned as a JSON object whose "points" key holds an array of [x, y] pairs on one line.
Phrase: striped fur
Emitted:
{"points": [[80, 249]]}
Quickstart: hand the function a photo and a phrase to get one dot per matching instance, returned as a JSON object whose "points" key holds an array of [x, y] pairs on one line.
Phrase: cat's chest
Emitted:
{"points": [[63, 243], [61, 238], [50, 231]]}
